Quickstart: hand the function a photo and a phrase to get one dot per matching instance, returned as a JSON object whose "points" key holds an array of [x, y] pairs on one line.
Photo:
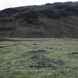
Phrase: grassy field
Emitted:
{"points": [[39, 58]]}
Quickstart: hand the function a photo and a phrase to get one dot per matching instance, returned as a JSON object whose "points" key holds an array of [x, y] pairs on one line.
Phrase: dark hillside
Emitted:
{"points": [[50, 20]]}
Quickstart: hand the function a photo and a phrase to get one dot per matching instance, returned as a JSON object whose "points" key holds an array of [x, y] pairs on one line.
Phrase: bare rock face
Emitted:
{"points": [[51, 20]]}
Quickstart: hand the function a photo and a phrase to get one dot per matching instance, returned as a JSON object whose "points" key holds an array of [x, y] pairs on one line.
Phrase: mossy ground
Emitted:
{"points": [[39, 58]]}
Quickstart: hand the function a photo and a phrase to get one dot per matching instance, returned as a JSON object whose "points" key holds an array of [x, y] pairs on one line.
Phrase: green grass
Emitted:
{"points": [[39, 58]]}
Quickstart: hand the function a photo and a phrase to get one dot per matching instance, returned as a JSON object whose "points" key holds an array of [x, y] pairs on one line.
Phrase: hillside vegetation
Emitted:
{"points": [[49, 20]]}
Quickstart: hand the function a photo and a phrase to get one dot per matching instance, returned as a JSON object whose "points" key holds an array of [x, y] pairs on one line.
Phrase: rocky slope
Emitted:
{"points": [[49, 20]]}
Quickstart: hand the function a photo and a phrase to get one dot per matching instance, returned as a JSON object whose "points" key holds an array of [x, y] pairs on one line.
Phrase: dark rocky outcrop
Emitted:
{"points": [[50, 20]]}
